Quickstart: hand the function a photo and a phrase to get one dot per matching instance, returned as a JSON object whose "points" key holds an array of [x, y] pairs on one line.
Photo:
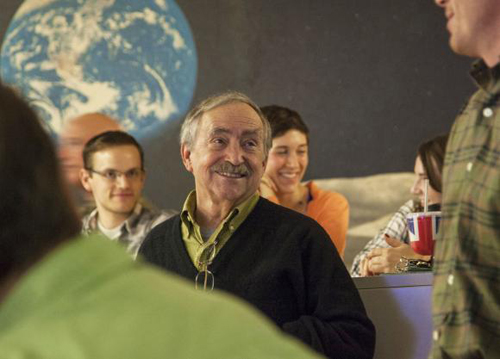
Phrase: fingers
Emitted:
{"points": [[365, 272], [377, 252], [393, 242], [380, 265]]}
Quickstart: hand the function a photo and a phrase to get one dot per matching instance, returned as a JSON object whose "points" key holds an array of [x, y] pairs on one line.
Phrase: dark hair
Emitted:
{"points": [[283, 119], [36, 213], [431, 154], [106, 140]]}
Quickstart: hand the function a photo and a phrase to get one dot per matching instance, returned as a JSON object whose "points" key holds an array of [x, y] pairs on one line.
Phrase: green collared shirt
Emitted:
{"points": [[191, 231], [67, 305], [466, 290]]}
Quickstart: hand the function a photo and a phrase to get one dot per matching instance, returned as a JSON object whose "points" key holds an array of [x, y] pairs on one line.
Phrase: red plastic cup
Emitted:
{"points": [[423, 229]]}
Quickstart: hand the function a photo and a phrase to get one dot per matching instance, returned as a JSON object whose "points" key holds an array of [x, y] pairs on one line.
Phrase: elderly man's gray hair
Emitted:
{"points": [[190, 125]]}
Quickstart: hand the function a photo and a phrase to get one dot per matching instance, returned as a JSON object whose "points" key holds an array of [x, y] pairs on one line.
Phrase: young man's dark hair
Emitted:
{"points": [[106, 140], [35, 211], [283, 119]]}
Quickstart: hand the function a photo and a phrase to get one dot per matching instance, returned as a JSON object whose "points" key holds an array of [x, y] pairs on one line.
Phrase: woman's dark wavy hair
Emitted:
{"points": [[283, 119], [431, 154], [35, 210]]}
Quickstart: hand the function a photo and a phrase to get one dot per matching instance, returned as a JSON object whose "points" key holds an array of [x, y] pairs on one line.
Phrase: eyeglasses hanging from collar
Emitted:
{"points": [[205, 279]]}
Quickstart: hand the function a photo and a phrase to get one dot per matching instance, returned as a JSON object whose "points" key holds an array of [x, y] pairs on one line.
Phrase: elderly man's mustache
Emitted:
{"points": [[227, 168]]}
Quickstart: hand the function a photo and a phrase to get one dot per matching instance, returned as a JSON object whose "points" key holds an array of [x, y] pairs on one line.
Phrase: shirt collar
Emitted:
{"points": [[235, 217], [128, 225], [485, 77], [131, 222], [188, 209]]}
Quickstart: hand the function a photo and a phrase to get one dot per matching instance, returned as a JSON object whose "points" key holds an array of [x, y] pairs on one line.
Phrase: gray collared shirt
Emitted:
{"points": [[134, 229]]}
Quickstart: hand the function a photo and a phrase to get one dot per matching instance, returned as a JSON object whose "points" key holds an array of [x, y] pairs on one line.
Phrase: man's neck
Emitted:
{"points": [[111, 220], [209, 214], [491, 61], [490, 47]]}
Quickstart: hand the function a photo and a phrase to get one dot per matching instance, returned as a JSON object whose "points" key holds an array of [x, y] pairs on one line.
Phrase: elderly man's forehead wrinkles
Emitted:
{"points": [[219, 131], [237, 115], [245, 133], [252, 133]]}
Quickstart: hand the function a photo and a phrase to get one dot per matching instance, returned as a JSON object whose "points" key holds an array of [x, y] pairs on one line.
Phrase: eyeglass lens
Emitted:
{"points": [[112, 175], [204, 280]]}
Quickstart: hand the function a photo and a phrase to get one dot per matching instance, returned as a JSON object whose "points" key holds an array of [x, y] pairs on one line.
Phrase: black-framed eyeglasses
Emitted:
{"points": [[205, 279], [112, 175]]}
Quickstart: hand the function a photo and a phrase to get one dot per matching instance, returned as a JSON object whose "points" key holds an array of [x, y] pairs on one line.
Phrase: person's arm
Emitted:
{"points": [[395, 228], [331, 211], [384, 260], [334, 320]]}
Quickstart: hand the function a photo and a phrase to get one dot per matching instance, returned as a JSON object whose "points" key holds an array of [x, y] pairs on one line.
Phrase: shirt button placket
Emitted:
{"points": [[487, 112], [435, 335]]}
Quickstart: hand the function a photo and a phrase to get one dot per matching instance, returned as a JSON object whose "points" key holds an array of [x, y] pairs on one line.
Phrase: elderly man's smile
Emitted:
{"points": [[228, 170], [231, 174]]}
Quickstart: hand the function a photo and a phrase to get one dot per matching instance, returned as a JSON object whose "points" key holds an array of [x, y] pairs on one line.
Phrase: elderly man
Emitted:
{"points": [[466, 296], [73, 137], [64, 297], [114, 174], [227, 237]]}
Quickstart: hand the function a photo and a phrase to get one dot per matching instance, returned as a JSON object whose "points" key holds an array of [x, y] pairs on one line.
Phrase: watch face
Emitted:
{"points": [[436, 207]]}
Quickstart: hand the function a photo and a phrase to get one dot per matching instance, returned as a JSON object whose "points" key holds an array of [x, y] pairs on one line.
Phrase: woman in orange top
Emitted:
{"points": [[286, 166]]}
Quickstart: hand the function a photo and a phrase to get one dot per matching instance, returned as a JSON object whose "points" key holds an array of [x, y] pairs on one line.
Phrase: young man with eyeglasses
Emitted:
{"points": [[114, 174], [74, 135]]}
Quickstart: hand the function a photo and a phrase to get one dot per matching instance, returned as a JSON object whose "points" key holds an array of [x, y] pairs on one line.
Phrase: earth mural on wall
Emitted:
{"points": [[133, 60]]}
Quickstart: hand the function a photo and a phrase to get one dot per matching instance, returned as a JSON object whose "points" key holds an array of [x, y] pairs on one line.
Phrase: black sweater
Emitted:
{"points": [[285, 264]]}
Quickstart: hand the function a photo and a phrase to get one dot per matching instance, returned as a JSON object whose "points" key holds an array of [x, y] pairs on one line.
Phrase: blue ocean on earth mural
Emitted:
{"points": [[133, 60]]}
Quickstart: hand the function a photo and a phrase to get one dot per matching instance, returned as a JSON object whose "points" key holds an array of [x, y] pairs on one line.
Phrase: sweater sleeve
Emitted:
{"points": [[334, 320]]}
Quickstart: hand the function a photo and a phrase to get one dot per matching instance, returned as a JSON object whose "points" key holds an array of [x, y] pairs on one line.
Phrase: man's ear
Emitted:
{"points": [[85, 179], [186, 157]]}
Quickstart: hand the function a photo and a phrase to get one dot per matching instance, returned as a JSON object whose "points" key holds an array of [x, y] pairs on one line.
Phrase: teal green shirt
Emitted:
{"points": [[88, 299]]}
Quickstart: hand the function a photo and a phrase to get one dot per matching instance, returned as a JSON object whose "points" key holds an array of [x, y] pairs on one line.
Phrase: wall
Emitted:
{"points": [[371, 78]]}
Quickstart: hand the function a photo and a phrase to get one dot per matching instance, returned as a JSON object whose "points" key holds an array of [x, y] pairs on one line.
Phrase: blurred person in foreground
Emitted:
{"points": [[74, 135], [385, 250], [62, 296], [466, 290], [286, 166], [228, 237], [114, 174]]}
